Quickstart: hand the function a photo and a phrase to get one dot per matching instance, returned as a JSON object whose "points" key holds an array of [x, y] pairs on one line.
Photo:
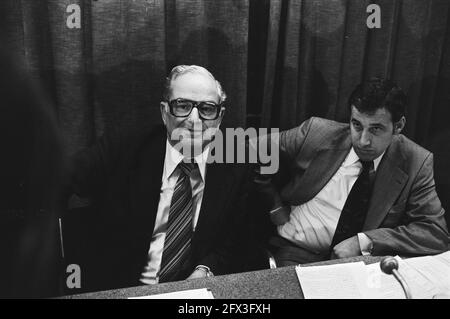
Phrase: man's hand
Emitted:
{"points": [[347, 248], [198, 273]]}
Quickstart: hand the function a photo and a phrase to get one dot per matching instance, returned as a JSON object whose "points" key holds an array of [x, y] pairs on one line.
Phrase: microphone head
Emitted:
{"points": [[388, 264]]}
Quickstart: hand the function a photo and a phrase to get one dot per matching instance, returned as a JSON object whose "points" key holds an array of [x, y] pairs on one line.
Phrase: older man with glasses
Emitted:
{"points": [[165, 213]]}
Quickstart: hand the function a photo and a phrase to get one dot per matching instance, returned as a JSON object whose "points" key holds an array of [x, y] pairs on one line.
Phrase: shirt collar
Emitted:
{"points": [[174, 157], [377, 161], [352, 158]]}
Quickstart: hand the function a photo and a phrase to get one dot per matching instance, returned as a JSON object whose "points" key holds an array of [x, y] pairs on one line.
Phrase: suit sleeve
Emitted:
{"points": [[291, 141], [229, 255], [423, 230]]}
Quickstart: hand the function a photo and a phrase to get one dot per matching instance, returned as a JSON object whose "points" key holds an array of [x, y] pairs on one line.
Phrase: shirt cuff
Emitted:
{"points": [[365, 244]]}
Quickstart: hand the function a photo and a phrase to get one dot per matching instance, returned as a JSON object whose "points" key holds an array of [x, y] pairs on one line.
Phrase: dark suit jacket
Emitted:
{"points": [[405, 216], [122, 175]]}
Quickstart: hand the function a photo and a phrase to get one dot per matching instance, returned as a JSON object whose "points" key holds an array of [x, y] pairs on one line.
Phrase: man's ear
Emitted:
{"points": [[162, 107], [222, 113], [399, 125]]}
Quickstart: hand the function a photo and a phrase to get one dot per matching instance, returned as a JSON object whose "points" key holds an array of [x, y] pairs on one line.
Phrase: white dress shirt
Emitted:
{"points": [[312, 225], [169, 179]]}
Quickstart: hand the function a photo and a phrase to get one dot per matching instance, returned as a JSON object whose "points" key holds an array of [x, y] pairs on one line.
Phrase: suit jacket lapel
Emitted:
{"points": [[389, 182], [219, 181], [145, 185]]}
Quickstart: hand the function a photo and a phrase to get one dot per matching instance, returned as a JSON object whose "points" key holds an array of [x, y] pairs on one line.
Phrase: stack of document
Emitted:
{"points": [[427, 277]]}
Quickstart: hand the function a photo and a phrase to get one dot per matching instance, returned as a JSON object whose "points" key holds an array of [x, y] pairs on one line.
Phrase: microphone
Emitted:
{"points": [[389, 265]]}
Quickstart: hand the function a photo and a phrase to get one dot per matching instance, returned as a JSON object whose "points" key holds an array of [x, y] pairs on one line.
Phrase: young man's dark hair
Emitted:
{"points": [[379, 93]]}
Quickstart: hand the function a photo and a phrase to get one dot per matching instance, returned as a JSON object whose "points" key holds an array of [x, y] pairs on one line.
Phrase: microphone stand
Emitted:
{"points": [[389, 265], [403, 283]]}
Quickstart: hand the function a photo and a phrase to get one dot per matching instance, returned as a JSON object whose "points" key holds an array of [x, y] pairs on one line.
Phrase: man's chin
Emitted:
{"points": [[366, 155], [191, 147]]}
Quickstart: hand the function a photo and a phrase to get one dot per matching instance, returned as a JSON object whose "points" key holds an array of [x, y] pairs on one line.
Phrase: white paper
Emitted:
{"points": [[203, 293], [379, 285], [338, 281], [427, 277]]}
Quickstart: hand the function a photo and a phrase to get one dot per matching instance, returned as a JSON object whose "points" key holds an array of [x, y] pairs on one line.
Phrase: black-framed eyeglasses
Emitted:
{"points": [[183, 108]]}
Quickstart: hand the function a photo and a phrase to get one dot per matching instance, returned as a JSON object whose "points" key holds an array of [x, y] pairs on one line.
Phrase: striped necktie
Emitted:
{"points": [[177, 243]]}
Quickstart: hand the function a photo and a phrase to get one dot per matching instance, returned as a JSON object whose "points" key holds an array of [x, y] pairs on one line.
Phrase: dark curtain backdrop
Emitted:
{"points": [[280, 61]]}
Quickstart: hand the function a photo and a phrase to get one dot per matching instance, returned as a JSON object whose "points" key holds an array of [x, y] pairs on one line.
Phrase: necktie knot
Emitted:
{"points": [[187, 168], [367, 165]]}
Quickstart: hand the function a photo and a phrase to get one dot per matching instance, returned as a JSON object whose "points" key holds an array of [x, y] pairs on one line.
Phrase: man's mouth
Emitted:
{"points": [[365, 151]]}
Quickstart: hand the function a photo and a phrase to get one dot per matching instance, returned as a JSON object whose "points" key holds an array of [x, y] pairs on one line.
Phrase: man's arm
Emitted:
{"points": [[228, 256], [290, 143], [424, 230]]}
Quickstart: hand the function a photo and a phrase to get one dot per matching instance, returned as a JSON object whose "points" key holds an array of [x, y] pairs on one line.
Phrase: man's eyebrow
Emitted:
{"points": [[377, 124]]}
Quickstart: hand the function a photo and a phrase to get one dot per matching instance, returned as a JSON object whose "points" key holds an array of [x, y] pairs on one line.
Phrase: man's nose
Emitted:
{"points": [[194, 116], [365, 139]]}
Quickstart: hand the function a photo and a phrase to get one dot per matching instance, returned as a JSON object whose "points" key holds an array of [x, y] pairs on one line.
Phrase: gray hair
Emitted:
{"points": [[183, 69]]}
